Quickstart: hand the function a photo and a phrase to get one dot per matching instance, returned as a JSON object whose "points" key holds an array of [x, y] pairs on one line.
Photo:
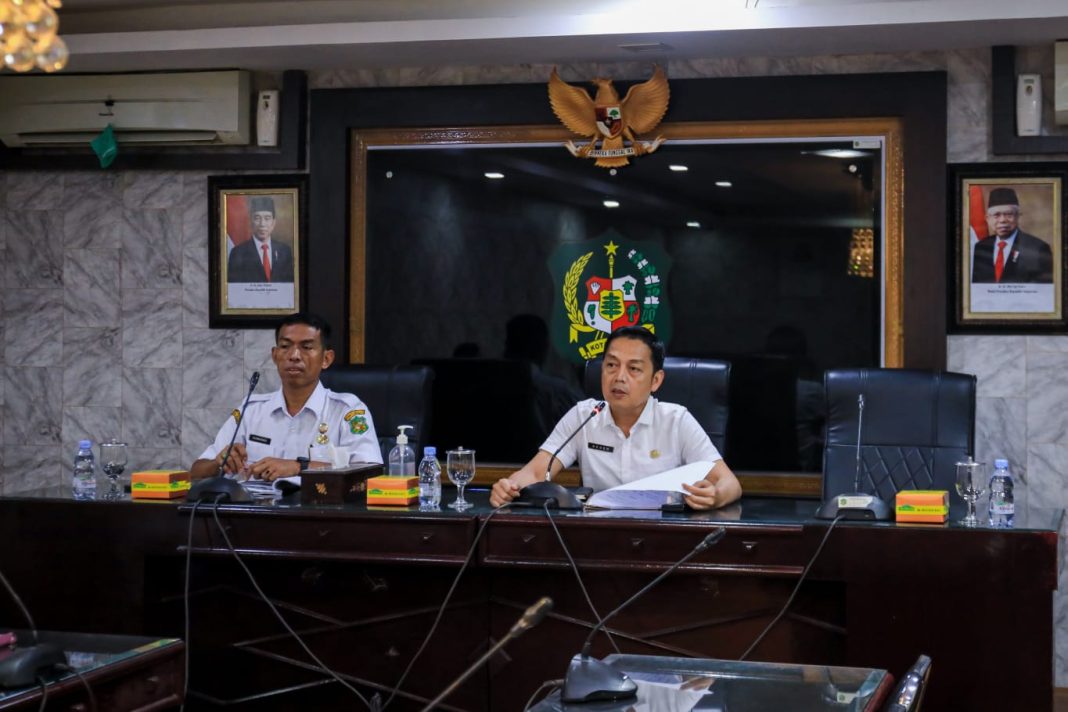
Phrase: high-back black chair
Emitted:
{"points": [[395, 395], [699, 384], [917, 425], [908, 695], [487, 405]]}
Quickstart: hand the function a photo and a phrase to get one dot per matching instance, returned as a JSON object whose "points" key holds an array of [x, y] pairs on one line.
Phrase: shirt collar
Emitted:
{"points": [[646, 417], [316, 402], [1010, 239], [260, 243]]}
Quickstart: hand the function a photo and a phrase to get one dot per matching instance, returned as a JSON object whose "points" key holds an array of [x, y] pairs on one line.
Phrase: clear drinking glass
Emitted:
{"points": [[970, 487], [113, 462], [460, 464]]}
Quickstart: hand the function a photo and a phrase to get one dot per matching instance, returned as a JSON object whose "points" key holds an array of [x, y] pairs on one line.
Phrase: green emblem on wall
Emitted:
{"points": [[604, 284]]}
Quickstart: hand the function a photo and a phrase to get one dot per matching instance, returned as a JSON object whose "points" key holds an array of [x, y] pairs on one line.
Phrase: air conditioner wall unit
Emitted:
{"points": [[155, 109]]}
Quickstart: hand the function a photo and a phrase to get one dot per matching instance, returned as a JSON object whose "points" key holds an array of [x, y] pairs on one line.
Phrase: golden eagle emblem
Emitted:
{"points": [[606, 119]]}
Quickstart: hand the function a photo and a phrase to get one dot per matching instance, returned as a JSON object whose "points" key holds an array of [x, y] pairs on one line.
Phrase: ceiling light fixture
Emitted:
{"points": [[678, 168], [493, 175], [839, 153], [611, 203], [28, 36], [693, 223], [723, 184]]}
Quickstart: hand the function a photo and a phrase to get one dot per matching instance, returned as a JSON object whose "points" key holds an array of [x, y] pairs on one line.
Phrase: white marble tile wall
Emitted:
{"points": [[104, 298]]}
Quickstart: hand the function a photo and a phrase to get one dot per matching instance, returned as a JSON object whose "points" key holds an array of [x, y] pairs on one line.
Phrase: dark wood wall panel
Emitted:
{"points": [[918, 98]]}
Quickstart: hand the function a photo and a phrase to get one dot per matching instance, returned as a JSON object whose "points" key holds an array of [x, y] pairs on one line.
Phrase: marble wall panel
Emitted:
{"points": [[92, 216], [151, 249], [1047, 392], [999, 362], [152, 327], [1046, 480], [195, 288], [151, 190], [33, 406], [1001, 431], [91, 294], [199, 428], [213, 368], [35, 190], [152, 407], [968, 130], [92, 367], [34, 249], [94, 423], [33, 325], [148, 458], [29, 468]]}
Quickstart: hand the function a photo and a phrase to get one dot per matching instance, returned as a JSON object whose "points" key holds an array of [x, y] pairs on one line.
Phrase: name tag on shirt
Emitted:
{"points": [[259, 439], [601, 448]]}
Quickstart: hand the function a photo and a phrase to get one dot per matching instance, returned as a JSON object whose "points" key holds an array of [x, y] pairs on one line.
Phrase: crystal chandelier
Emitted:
{"points": [[28, 35]]}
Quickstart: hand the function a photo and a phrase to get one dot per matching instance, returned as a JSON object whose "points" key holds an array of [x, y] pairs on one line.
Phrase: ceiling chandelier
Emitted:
{"points": [[29, 36]]}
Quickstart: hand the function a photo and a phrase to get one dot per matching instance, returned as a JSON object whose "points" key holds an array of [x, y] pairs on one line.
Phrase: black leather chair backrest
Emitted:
{"points": [[699, 384], [917, 425], [395, 395], [908, 695], [487, 405]]}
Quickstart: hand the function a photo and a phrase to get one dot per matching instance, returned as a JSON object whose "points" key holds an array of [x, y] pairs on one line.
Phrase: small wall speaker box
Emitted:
{"points": [[1028, 104], [267, 118], [1060, 82]]}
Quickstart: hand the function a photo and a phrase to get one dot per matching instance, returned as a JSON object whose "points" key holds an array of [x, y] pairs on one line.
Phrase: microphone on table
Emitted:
{"points": [[530, 618], [537, 494], [21, 665], [856, 504], [221, 488], [589, 679]]}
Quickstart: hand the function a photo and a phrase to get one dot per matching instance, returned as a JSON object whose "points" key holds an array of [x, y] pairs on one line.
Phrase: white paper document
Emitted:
{"points": [[651, 492]]}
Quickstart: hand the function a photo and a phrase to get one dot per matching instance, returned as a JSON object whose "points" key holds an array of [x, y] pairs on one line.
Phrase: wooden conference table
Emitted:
{"points": [[363, 587]]}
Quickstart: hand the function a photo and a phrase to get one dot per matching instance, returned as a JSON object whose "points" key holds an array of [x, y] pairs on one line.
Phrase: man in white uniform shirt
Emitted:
{"points": [[634, 437], [302, 419]]}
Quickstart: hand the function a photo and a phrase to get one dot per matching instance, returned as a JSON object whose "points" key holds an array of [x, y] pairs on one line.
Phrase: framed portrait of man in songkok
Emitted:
{"points": [[1008, 224], [256, 227]]}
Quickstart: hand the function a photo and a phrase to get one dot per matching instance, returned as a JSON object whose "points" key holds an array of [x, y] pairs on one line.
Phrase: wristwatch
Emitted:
{"points": [[303, 462]]}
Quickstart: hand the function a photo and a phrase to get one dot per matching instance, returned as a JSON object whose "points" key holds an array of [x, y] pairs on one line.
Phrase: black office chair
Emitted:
{"points": [[908, 695], [395, 395], [916, 426], [488, 405], [699, 384]]}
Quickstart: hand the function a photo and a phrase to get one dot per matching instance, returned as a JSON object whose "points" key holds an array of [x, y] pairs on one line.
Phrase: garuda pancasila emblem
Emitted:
{"points": [[606, 119]]}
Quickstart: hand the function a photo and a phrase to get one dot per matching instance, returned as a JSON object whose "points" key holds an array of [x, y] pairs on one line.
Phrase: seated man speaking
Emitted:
{"points": [[635, 437], [300, 420]]}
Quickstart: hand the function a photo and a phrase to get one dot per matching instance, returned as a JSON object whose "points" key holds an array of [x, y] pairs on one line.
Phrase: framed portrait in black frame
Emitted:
{"points": [[256, 251], [1007, 227]]}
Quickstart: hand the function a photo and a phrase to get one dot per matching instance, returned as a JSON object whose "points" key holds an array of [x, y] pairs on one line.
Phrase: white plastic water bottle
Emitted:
{"points": [[1002, 505], [429, 480], [83, 483]]}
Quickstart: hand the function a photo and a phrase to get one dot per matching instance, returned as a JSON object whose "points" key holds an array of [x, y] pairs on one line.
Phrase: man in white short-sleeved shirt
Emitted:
{"points": [[302, 419], [635, 436]]}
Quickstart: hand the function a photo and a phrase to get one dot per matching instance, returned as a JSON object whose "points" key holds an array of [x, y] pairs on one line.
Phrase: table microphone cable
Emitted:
{"points": [[277, 613], [793, 594], [185, 599], [443, 606], [85, 684], [574, 567]]}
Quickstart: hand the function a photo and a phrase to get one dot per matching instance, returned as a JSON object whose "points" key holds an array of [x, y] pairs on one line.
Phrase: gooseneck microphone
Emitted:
{"points": [[530, 618], [597, 408], [221, 488], [856, 504], [538, 494], [589, 679]]}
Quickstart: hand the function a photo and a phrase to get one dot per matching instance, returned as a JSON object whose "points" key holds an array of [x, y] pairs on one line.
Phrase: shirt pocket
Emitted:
{"points": [[258, 451]]}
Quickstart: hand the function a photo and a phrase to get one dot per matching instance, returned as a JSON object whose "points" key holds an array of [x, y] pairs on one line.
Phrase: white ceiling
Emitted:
{"points": [[119, 35]]}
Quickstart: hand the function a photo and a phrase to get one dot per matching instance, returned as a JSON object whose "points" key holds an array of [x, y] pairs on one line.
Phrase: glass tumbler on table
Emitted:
{"points": [[460, 464], [113, 459], [970, 488]]}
